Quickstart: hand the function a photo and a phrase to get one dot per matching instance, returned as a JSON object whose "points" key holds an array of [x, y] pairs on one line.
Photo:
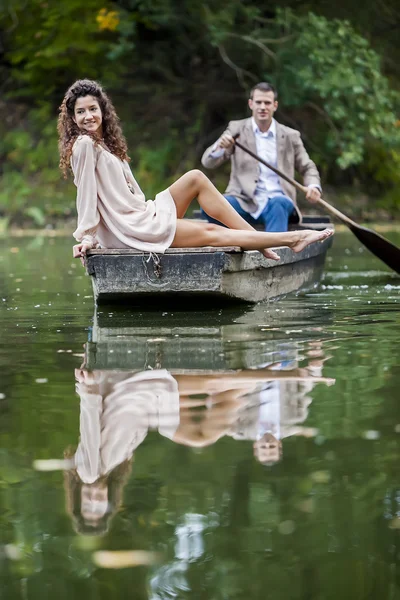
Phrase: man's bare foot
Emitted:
{"points": [[309, 236], [268, 253]]}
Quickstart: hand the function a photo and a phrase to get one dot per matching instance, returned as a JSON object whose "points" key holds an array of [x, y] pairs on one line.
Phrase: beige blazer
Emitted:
{"points": [[291, 156]]}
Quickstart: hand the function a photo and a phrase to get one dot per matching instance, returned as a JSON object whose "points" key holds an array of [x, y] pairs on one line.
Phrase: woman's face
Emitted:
{"points": [[88, 116], [94, 502]]}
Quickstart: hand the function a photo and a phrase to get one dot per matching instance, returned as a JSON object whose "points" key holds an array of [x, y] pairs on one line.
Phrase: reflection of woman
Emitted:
{"points": [[112, 211], [117, 411]]}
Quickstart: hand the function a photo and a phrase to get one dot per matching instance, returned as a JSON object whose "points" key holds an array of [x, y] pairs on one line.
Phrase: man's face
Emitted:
{"points": [[262, 106], [267, 450]]}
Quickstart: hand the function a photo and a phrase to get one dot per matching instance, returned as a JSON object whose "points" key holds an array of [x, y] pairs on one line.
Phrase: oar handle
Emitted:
{"points": [[296, 184], [334, 211]]}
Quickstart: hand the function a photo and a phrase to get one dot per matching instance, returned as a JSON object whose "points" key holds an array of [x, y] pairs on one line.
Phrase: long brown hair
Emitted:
{"points": [[68, 131], [113, 481]]}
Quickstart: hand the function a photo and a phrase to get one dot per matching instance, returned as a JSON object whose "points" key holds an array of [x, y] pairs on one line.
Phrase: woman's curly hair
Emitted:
{"points": [[68, 131]]}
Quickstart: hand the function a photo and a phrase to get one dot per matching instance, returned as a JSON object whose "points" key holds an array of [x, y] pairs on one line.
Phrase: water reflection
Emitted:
{"points": [[207, 521], [119, 408], [233, 339]]}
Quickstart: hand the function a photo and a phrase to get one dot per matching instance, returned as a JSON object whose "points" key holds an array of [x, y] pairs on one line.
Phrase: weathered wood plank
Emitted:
{"points": [[130, 251]]}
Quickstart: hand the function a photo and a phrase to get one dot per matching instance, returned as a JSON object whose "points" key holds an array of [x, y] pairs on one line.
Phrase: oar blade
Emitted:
{"points": [[378, 245]]}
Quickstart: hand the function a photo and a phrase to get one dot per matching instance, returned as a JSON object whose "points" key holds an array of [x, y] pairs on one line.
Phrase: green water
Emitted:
{"points": [[250, 453]]}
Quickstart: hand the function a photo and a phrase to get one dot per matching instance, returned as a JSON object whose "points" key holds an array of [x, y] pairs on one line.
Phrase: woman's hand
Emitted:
{"points": [[79, 251]]}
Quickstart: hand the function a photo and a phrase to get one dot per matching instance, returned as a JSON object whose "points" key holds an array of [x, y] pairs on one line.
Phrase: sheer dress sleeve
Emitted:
{"points": [[83, 162], [88, 453]]}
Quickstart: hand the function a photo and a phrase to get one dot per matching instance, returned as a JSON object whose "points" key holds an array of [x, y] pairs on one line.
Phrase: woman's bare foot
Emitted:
{"points": [[308, 236], [268, 253]]}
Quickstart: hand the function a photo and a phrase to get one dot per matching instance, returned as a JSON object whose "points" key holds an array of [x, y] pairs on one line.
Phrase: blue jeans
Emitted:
{"points": [[274, 217]]}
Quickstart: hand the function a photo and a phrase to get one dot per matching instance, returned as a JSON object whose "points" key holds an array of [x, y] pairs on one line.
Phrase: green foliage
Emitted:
{"points": [[176, 78], [31, 184], [49, 41], [323, 67], [332, 67]]}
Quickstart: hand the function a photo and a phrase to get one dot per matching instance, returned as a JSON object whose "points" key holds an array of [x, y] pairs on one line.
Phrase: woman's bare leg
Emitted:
{"points": [[195, 184], [191, 235]]}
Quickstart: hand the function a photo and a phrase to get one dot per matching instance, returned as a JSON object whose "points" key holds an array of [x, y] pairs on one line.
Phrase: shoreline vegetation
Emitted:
{"points": [[359, 207], [176, 81]]}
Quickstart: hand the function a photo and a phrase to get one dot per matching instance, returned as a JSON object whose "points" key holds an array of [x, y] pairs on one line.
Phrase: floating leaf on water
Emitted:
{"points": [[371, 435], [53, 464], [286, 527], [121, 559], [321, 476], [12, 552], [307, 505], [88, 543], [395, 523]]}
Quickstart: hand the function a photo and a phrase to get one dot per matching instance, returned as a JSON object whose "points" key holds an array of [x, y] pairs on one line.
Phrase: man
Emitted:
{"points": [[259, 195], [273, 412]]}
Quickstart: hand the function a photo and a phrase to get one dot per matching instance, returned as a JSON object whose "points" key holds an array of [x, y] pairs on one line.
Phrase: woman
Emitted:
{"points": [[117, 410], [112, 209]]}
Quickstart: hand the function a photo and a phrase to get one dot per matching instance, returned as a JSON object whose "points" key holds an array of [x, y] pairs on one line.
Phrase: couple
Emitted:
{"points": [[112, 209], [118, 409]]}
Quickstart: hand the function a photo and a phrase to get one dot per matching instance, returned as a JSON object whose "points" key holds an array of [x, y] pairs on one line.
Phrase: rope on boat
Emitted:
{"points": [[158, 357], [156, 265]]}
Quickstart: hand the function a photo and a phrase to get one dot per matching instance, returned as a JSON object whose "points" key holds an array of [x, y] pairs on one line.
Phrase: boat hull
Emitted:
{"points": [[204, 275]]}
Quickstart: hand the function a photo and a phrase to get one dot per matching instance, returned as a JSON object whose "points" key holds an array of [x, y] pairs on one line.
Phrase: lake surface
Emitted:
{"points": [[234, 454]]}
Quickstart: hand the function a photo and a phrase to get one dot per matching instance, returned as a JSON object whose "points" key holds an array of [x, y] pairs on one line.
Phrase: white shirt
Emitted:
{"points": [[116, 415], [269, 414], [268, 184]]}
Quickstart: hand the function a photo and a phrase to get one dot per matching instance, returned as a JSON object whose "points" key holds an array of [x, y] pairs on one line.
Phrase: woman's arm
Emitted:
{"points": [[83, 161], [88, 454]]}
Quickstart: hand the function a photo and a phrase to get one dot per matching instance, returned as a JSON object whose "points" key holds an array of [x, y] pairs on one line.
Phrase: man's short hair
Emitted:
{"points": [[264, 86]]}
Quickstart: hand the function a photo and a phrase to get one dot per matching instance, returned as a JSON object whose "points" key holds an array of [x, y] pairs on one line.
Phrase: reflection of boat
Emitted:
{"points": [[216, 341], [203, 274]]}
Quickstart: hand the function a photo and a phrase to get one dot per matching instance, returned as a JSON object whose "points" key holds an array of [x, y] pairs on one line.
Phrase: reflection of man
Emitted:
{"points": [[256, 192], [275, 411]]}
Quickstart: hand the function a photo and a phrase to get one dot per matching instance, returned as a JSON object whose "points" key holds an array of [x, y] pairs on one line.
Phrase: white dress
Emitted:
{"points": [[112, 209], [117, 411]]}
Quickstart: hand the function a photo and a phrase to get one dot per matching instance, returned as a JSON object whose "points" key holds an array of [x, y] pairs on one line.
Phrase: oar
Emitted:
{"points": [[377, 244]]}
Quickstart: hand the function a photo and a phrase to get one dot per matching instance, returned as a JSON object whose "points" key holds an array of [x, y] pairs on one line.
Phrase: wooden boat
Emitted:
{"points": [[238, 337], [203, 275]]}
